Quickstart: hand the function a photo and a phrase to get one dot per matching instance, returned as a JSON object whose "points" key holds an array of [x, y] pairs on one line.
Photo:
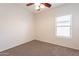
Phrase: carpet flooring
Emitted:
{"points": [[38, 48]]}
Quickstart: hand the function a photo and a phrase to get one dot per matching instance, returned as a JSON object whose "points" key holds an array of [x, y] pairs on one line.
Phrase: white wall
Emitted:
{"points": [[16, 26], [45, 25]]}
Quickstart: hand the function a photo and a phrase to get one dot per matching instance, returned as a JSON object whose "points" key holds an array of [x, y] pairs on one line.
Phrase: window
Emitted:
{"points": [[63, 26]]}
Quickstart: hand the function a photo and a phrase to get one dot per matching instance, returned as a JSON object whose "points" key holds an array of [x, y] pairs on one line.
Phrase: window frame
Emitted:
{"points": [[64, 26]]}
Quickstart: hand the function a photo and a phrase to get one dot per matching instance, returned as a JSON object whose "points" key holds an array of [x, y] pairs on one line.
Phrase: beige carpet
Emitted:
{"points": [[38, 48]]}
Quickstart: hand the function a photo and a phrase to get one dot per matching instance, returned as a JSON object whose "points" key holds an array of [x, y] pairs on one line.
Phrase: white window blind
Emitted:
{"points": [[64, 26]]}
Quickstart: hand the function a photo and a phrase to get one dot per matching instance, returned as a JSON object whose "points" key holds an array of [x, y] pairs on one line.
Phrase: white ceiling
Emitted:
{"points": [[31, 8]]}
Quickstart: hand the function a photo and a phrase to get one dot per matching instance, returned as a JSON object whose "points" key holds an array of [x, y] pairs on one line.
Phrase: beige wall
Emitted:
{"points": [[16, 26], [45, 25]]}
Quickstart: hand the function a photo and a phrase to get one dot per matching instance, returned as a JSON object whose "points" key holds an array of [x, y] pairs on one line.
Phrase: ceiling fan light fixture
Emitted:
{"points": [[37, 7]]}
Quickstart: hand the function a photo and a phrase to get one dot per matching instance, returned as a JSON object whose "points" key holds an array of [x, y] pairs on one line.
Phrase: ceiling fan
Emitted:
{"points": [[38, 6]]}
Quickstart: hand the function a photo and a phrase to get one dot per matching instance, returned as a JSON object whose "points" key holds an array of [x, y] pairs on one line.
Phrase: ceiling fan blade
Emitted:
{"points": [[29, 4], [47, 4]]}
